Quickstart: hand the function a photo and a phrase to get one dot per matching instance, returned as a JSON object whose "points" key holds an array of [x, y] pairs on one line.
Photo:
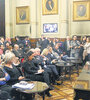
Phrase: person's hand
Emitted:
{"points": [[54, 60], [2, 79], [75, 47], [47, 59], [40, 71], [61, 55], [44, 59], [20, 78], [79, 46], [43, 56], [6, 74], [70, 46]]}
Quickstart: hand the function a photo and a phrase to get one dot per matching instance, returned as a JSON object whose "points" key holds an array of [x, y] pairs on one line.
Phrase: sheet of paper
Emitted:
{"points": [[23, 85]]}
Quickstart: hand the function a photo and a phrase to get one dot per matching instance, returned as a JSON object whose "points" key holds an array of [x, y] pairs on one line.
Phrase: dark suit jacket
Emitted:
{"points": [[29, 68], [38, 60], [17, 53], [26, 43], [14, 74], [58, 51], [50, 58], [44, 44], [65, 46]]}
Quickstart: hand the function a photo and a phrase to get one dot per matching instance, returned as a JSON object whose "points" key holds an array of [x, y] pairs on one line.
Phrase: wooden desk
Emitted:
{"points": [[82, 86], [40, 87]]}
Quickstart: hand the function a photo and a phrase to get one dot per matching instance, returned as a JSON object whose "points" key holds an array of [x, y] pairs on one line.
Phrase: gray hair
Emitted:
{"points": [[44, 52], [33, 50], [37, 49], [8, 57]]}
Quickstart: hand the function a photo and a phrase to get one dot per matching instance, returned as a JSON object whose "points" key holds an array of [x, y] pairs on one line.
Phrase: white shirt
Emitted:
{"points": [[68, 45], [87, 47]]}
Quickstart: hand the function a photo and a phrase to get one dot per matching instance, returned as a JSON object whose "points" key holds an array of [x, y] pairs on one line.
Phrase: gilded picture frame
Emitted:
{"points": [[22, 15], [81, 84], [81, 10], [49, 7]]}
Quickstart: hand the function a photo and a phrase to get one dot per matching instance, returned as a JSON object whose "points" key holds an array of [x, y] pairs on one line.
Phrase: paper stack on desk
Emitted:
{"points": [[23, 85]]}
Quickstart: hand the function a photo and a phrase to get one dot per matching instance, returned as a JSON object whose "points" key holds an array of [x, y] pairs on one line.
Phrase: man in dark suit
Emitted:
{"points": [[57, 50], [16, 51], [18, 40], [66, 46], [26, 42], [46, 64], [44, 43]]}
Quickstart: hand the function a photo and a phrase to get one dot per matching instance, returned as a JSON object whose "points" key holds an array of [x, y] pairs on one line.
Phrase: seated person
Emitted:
{"points": [[18, 65], [54, 57], [7, 92], [59, 54], [39, 61], [15, 75], [48, 62], [16, 51], [4, 77], [11, 69], [6, 47], [33, 72]]}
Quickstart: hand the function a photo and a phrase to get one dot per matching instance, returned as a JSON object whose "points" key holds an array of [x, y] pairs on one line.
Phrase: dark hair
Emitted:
{"points": [[73, 36], [20, 45], [29, 53], [83, 36]]}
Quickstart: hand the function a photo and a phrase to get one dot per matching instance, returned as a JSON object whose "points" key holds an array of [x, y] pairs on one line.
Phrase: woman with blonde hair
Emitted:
{"points": [[48, 64], [45, 52]]}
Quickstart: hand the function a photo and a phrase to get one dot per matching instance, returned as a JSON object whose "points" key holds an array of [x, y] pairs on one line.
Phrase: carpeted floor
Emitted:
{"points": [[62, 92]]}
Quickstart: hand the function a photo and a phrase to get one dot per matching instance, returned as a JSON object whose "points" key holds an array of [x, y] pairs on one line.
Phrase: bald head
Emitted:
{"points": [[16, 46], [37, 51], [68, 37]]}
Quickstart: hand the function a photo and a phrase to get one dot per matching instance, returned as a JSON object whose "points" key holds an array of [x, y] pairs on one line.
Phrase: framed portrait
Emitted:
{"points": [[81, 10], [81, 84], [22, 15], [49, 7]]}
